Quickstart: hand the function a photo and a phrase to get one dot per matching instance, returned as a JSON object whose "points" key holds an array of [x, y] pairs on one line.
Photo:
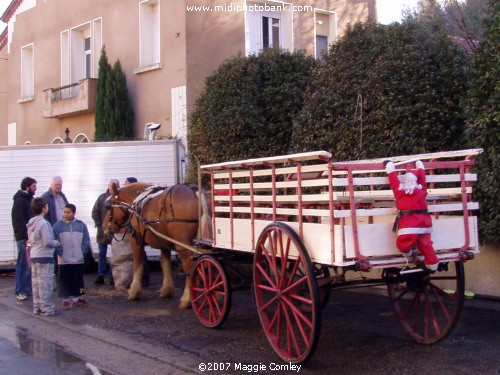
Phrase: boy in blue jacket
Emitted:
{"points": [[74, 237]]}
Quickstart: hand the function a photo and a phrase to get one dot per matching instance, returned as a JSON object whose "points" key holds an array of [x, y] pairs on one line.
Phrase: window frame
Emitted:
{"points": [[271, 18], [254, 38], [149, 34], [27, 73], [332, 31]]}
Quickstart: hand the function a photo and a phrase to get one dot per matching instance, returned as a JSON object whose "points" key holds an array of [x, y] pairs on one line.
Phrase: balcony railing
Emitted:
{"points": [[70, 100]]}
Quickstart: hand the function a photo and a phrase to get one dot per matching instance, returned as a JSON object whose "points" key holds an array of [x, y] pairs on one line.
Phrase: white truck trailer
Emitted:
{"points": [[86, 169]]}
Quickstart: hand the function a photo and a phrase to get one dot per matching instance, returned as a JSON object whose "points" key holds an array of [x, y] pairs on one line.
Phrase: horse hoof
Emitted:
{"points": [[185, 306], [166, 293], [133, 296]]}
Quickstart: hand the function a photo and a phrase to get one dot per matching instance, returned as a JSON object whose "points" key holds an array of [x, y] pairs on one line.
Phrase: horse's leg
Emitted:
{"points": [[136, 287], [187, 265], [167, 287]]}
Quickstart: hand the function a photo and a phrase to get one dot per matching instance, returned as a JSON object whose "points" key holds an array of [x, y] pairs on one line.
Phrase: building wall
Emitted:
{"points": [[192, 46], [149, 91], [3, 94]]}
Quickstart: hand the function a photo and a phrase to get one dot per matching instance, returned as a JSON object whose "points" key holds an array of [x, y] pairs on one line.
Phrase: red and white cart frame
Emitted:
{"points": [[304, 221]]}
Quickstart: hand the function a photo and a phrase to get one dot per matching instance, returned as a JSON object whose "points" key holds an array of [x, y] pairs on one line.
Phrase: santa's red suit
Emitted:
{"points": [[415, 223]]}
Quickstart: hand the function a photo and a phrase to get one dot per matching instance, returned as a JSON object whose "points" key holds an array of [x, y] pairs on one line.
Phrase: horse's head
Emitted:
{"points": [[118, 206]]}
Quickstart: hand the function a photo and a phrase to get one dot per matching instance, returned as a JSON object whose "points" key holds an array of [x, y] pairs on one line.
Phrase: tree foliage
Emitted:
{"points": [[247, 107], [482, 109], [385, 90], [103, 110], [123, 115], [462, 19], [114, 118]]}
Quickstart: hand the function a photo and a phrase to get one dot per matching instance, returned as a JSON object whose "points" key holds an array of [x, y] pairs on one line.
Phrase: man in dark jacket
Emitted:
{"points": [[98, 214], [21, 214]]}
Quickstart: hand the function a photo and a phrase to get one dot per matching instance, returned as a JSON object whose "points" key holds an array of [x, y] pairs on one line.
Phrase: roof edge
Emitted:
{"points": [[11, 9], [3, 38]]}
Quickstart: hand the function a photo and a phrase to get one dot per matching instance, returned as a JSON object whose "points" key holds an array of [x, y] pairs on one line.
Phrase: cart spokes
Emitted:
{"points": [[210, 291], [286, 293], [425, 310]]}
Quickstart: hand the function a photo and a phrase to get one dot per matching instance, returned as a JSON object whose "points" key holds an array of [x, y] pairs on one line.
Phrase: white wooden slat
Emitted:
{"points": [[269, 185], [317, 239], [446, 207], [267, 172], [320, 198], [378, 240], [316, 155], [341, 182], [428, 156], [367, 181], [361, 196], [269, 211]]}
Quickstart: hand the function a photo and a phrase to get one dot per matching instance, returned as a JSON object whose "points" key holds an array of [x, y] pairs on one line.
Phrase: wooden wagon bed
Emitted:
{"points": [[343, 212]]}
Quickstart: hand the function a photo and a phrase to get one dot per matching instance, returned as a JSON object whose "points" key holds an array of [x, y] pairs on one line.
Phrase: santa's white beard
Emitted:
{"points": [[409, 187], [408, 183]]}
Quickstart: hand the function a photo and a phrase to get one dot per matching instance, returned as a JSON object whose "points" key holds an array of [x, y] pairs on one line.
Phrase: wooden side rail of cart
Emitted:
{"points": [[339, 209]]}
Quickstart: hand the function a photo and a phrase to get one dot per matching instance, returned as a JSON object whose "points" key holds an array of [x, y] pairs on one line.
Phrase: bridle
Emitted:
{"points": [[125, 208]]}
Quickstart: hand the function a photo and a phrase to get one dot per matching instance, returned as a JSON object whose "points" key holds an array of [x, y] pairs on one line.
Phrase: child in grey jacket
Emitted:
{"points": [[42, 259], [75, 242]]}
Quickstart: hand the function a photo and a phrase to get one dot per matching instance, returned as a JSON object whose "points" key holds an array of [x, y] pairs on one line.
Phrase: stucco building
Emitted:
{"points": [[50, 50]]}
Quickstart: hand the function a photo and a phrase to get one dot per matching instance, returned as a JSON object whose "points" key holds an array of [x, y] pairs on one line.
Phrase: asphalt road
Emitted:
{"points": [[359, 335]]}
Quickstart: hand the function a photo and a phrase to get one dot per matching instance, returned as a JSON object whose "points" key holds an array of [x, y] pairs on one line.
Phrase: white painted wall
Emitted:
{"points": [[86, 170]]}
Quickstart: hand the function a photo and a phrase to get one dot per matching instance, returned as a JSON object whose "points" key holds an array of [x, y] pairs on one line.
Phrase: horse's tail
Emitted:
{"points": [[205, 220]]}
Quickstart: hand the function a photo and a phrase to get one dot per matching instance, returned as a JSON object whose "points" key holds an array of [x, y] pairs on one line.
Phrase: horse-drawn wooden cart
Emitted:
{"points": [[304, 221]]}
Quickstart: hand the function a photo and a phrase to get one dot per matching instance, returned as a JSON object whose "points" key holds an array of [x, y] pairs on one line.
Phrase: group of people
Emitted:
{"points": [[51, 241]]}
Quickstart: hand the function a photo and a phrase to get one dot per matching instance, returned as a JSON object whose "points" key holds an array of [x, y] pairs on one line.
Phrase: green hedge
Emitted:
{"points": [[247, 107], [385, 90], [482, 109]]}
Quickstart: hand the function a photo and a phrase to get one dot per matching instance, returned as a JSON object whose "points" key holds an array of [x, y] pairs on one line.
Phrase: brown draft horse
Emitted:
{"points": [[172, 212]]}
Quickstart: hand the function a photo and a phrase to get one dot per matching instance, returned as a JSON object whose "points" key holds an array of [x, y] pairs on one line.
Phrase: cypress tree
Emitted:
{"points": [[114, 117], [102, 112], [123, 115]]}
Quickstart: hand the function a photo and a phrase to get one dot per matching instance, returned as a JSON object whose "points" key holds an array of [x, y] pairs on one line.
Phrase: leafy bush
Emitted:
{"points": [[385, 90], [482, 126], [247, 107]]}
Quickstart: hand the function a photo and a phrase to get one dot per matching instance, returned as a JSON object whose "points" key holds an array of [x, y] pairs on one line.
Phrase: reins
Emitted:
{"points": [[148, 225]]}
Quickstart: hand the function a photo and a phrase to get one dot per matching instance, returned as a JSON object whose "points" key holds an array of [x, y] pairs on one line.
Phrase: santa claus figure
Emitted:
{"points": [[413, 223]]}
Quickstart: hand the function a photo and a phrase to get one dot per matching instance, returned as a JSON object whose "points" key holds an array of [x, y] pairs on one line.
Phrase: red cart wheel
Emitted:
{"points": [[286, 293], [210, 292], [425, 311]]}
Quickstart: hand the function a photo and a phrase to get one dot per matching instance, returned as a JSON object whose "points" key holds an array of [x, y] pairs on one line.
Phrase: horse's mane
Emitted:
{"points": [[130, 192]]}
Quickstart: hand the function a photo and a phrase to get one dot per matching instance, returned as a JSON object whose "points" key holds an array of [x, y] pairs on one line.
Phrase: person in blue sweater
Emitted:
{"points": [[74, 238], [42, 259]]}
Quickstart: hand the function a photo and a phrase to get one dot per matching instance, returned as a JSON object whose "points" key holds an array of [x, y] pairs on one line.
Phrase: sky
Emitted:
{"points": [[391, 10], [388, 10]]}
